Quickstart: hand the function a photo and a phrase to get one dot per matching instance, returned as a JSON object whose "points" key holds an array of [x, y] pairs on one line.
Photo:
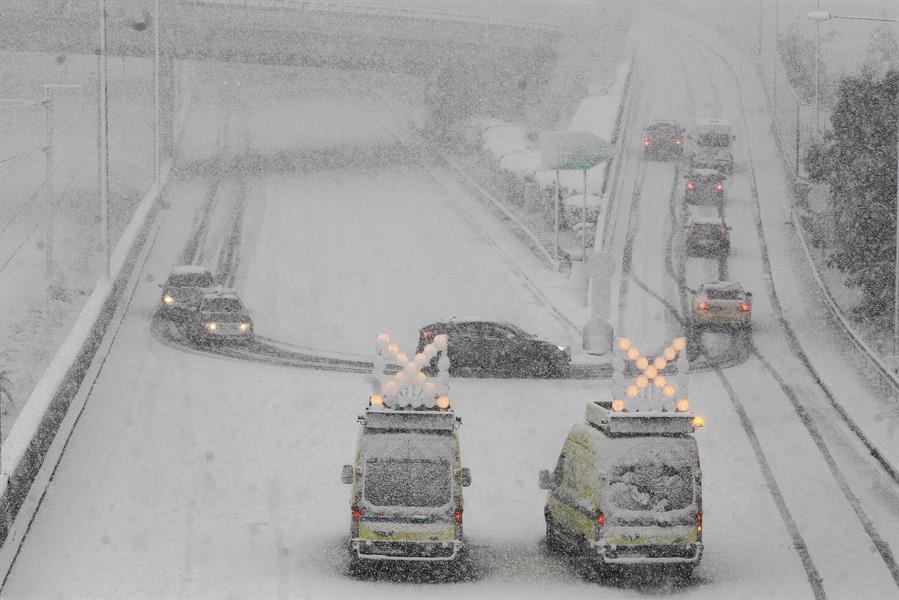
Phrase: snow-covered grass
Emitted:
{"points": [[39, 311]]}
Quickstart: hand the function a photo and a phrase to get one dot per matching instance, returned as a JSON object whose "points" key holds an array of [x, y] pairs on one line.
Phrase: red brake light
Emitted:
{"points": [[745, 306], [719, 187], [691, 231], [646, 141], [690, 186], [457, 516], [703, 305], [699, 522], [724, 232], [600, 518], [356, 514]]}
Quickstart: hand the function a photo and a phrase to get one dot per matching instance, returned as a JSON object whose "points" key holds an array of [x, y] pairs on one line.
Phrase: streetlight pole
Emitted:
{"points": [[826, 16], [103, 134], [156, 145]]}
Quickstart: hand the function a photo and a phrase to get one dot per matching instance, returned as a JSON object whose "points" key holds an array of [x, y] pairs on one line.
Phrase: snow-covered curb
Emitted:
{"points": [[36, 424]]}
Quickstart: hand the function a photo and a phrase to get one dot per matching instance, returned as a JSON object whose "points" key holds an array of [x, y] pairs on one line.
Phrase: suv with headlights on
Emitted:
{"points": [[183, 290], [220, 316]]}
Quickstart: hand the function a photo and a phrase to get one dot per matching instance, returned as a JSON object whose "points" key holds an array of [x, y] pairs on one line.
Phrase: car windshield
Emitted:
{"points": [[191, 280], [714, 140], [723, 294], [413, 483], [707, 228], [223, 305]]}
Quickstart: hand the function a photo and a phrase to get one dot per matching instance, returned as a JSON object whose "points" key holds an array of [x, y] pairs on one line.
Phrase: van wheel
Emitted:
{"points": [[552, 539]]}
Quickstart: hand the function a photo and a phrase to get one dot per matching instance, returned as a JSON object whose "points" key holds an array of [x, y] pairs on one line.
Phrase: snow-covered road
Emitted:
{"points": [[192, 476]]}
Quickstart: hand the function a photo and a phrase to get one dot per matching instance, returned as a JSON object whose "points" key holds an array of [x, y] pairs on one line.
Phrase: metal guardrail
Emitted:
{"points": [[379, 11]]}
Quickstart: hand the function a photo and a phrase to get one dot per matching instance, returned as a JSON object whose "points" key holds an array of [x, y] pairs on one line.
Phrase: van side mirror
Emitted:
{"points": [[346, 475], [466, 477], [547, 480], [749, 294]]}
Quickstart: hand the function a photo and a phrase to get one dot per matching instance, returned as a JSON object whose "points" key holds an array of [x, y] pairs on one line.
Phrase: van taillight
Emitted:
{"points": [[745, 306], [356, 514], [600, 518], [690, 186], [699, 523], [457, 516], [719, 187]]}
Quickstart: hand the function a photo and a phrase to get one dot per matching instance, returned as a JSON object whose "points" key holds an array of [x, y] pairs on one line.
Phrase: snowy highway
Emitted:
{"points": [[190, 475]]}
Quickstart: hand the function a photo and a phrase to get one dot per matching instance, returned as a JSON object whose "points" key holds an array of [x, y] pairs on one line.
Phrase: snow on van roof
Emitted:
{"points": [[636, 423]]}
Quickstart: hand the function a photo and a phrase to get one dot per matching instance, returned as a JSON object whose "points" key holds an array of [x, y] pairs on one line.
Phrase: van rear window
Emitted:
{"points": [[413, 483], [654, 487]]}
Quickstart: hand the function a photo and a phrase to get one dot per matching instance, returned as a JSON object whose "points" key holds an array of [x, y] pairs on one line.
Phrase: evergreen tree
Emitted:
{"points": [[858, 161]]}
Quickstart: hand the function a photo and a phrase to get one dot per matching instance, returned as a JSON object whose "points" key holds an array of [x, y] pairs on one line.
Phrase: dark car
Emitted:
{"points": [[183, 290], [704, 186], [492, 348], [663, 139], [220, 316], [707, 237]]}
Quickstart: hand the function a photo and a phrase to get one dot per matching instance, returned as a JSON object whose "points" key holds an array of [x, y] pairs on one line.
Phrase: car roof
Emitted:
{"points": [[712, 121], [469, 319], [722, 285], [705, 220], [704, 172], [220, 293], [190, 270]]}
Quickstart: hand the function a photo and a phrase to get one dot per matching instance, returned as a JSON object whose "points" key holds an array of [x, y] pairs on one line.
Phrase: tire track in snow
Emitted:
{"points": [[799, 407]]}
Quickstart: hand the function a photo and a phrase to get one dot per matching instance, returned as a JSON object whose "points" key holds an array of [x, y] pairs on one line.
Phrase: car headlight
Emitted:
{"points": [[168, 298], [211, 325], [562, 348], [245, 326]]}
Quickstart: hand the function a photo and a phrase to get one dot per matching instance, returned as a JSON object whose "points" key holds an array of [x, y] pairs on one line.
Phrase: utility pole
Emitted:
{"points": [[48, 182], [103, 133]]}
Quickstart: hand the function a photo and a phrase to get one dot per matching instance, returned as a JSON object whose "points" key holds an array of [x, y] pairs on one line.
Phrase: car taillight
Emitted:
{"points": [[690, 186], [457, 516], [719, 187], [357, 514], [600, 519], [724, 232], [646, 141], [745, 306], [691, 230], [702, 305], [699, 525]]}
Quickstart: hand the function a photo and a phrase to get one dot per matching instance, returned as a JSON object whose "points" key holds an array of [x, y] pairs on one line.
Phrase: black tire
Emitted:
{"points": [[552, 539]]}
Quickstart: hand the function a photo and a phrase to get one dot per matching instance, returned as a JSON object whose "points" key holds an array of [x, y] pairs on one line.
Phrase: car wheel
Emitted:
{"points": [[465, 372]]}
